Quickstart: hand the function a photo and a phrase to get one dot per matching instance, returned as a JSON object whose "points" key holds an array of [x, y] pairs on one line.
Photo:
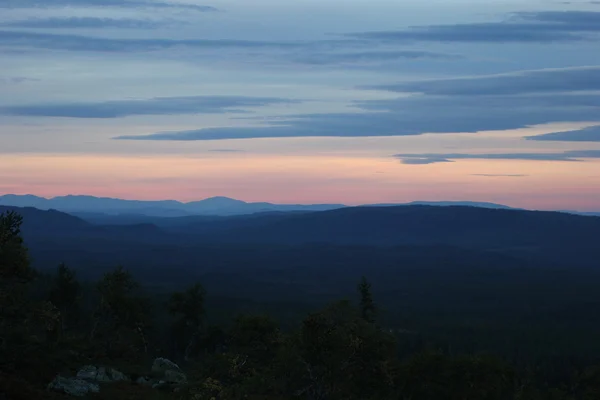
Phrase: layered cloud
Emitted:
{"points": [[433, 158], [374, 56], [73, 42], [83, 22], [102, 3], [590, 134], [578, 79], [500, 102], [15, 80], [155, 106], [545, 26]]}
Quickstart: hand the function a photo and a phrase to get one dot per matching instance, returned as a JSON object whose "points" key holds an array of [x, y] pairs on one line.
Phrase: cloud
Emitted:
{"points": [[367, 57], [412, 115], [154, 106], [526, 82], [544, 26], [72, 42], [432, 158], [501, 175], [83, 22], [426, 160], [590, 134], [15, 80], [226, 151], [102, 3]]}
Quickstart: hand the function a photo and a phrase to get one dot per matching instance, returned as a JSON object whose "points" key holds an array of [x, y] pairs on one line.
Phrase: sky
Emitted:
{"points": [[310, 101]]}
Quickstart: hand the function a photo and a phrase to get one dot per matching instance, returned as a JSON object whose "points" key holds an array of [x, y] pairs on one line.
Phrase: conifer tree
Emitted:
{"points": [[368, 310]]}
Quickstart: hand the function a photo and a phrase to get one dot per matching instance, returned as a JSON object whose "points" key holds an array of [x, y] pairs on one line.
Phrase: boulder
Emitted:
{"points": [[168, 375], [175, 377], [101, 374], [161, 365], [161, 385], [73, 386], [144, 381]]}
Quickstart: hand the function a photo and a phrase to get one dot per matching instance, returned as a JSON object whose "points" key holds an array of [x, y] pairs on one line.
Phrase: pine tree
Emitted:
{"points": [[121, 317], [15, 274], [368, 310], [65, 294], [188, 308]]}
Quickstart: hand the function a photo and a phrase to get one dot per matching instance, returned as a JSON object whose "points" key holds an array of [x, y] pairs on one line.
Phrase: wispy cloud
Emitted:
{"points": [[225, 151], [590, 134], [376, 56], [102, 3], [15, 80], [154, 106], [426, 160], [432, 158], [525, 82], [501, 175], [83, 22], [72, 42], [412, 115], [545, 26]]}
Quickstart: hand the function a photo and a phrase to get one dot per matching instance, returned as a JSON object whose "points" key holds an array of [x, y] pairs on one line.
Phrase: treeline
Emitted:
{"points": [[52, 323]]}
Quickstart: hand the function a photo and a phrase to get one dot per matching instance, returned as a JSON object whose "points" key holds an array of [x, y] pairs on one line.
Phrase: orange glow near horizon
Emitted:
{"points": [[350, 180]]}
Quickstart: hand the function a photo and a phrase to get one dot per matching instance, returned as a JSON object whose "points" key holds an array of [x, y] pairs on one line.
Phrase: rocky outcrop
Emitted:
{"points": [[101, 374], [73, 386], [144, 381], [175, 377], [166, 375], [161, 365]]}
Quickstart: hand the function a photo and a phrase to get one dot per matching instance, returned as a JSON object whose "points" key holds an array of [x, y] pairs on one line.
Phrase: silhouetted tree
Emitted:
{"points": [[368, 310], [15, 274], [256, 337], [433, 375], [65, 294], [121, 314], [188, 309], [346, 357]]}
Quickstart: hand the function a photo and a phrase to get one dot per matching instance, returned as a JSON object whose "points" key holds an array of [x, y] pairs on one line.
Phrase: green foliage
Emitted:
{"points": [[14, 260], [121, 318], [15, 274], [433, 375], [15, 271], [345, 355], [66, 294], [188, 309], [256, 336]]}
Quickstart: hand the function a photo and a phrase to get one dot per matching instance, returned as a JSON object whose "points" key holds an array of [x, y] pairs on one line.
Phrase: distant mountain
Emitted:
{"points": [[447, 204], [534, 237], [36, 220], [472, 227], [589, 214], [165, 208], [98, 208]]}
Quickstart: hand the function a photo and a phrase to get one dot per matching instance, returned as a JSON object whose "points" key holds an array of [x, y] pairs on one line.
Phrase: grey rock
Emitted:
{"points": [[168, 373], [161, 365], [175, 377], [73, 386], [101, 374], [144, 381], [160, 385]]}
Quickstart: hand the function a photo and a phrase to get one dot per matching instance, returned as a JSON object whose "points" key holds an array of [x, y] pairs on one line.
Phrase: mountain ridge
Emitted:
{"points": [[538, 237], [211, 206], [218, 205]]}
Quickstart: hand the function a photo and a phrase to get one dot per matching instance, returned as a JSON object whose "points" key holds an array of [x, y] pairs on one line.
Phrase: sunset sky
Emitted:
{"points": [[304, 101]]}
